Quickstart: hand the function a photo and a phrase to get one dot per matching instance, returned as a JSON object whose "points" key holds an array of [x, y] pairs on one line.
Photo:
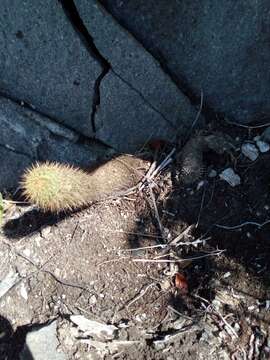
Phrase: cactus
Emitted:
{"points": [[57, 187]]}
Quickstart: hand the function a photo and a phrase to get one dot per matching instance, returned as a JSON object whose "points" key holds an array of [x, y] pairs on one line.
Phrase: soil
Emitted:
{"points": [[213, 305]]}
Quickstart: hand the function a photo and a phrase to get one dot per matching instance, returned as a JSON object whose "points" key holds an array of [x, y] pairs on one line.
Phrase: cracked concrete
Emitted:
{"points": [[72, 63], [44, 63], [142, 75], [122, 115], [77, 23], [220, 47], [57, 56]]}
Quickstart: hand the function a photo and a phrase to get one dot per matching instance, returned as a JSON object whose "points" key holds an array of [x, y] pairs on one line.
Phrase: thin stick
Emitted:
{"points": [[156, 212], [225, 322], [178, 313], [136, 233], [113, 260], [199, 112], [183, 234], [201, 207], [164, 163], [214, 253], [193, 243], [153, 170], [16, 202], [140, 295], [145, 247], [247, 126], [147, 175], [242, 225]]}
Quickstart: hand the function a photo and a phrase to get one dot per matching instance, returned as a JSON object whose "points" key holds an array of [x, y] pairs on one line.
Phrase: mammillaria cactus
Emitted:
{"points": [[57, 187]]}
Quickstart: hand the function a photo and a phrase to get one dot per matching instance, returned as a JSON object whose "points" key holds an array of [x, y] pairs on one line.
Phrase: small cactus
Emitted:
{"points": [[59, 187], [55, 186]]}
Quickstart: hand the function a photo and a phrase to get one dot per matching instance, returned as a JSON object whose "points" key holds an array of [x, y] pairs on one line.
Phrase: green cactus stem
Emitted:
{"points": [[59, 187]]}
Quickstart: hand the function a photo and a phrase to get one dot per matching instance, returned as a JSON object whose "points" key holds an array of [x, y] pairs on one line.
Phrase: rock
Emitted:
{"points": [[42, 344], [212, 173], [43, 62], [230, 177], [250, 151], [124, 120], [27, 137], [218, 47], [11, 279], [137, 97], [262, 146], [266, 135], [94, 328]]}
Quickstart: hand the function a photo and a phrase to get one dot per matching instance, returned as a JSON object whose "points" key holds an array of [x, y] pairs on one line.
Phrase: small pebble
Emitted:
{"points": [[200, 185], [23, 292], [266, 135], [230, 177], [27, 252], [212, 173], [250, 151], [237, 327], [262, 146], [93, 300], [45, 231]]}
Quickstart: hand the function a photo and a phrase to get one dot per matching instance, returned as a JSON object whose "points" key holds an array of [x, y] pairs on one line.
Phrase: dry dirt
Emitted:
{"points": [[87, 263]]}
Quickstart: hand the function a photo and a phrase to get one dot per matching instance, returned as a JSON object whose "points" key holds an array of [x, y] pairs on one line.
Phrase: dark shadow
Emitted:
{"points": [[247, 250], [6, 333], [29, 223], [32, 221], [12, 343]]}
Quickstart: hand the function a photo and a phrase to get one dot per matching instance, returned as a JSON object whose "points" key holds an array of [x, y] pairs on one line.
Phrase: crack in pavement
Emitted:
{"points": [[73, 15], [77, 23], [177, 79], [144, 99]]}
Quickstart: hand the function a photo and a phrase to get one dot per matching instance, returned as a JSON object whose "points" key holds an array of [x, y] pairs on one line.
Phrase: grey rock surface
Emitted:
{"points": [[27, 137], [220, 47], [12, 167], [44, 63], [42, 344], [124, 119], [155, 96]]}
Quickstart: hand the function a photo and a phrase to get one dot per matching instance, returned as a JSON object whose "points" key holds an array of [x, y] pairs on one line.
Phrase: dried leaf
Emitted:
{"points": [[181, 283]]}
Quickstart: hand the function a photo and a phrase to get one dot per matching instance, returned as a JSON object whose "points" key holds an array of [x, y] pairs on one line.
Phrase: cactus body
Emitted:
{"points": [[56, 187]]}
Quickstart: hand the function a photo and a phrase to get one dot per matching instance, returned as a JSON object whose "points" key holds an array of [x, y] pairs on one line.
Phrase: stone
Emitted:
{"points": [[44, 63], [212, 173], [124, 120], [94, 328], [219, 47], [138, 96], [42, 344], [27, 137], [250, 151], [262, 146], [230, 177], [266, 135], [10, 280]]}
